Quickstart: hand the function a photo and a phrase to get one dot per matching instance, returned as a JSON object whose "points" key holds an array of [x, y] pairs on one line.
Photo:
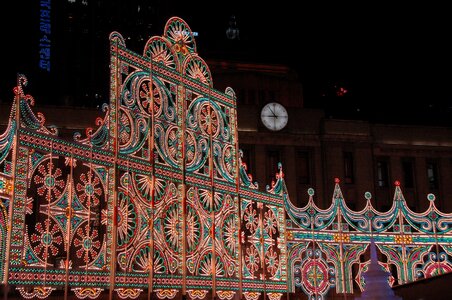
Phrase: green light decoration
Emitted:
{"points": [[155, 198]]}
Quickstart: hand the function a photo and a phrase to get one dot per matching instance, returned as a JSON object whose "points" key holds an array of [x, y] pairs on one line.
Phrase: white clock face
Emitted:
{"points": [[274, 116]]}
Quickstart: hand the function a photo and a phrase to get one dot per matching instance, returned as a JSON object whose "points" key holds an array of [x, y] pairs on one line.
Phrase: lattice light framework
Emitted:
{"points": [[328, 248], [156, 198], [149, 200]]}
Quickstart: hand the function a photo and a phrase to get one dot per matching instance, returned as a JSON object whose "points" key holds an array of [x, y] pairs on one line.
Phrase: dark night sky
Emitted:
{"points": [[394, 60]]}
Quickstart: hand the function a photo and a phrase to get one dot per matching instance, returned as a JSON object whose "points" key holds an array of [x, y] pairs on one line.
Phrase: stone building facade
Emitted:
{"points": [[313, 148]]}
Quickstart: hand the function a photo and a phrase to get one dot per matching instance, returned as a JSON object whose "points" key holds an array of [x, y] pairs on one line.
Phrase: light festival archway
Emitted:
{"points": [[155, 199]]}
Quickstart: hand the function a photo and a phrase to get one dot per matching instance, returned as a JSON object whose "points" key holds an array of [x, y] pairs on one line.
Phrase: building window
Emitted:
{"points": [[273, 158], [408, 173], [303, 168], [271, 96], [251, 99], [382, 173], [432, 175], [261, 97], [241, 96], [348, 167]]}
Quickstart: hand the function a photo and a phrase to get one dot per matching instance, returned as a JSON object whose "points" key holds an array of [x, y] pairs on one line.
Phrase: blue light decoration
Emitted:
{"points": [[44, 40]]}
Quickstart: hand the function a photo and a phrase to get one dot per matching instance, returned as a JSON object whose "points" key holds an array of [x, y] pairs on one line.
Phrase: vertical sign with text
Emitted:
{"points": [[44, 35]]}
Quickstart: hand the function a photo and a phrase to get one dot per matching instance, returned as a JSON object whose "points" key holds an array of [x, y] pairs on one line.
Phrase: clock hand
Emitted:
{"points": [[272, 111]]}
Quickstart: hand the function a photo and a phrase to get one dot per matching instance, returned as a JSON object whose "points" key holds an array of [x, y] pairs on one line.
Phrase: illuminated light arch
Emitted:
{"points": [[156, 196]]}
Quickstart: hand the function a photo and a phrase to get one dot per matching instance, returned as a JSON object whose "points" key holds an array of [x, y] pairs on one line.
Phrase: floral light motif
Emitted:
{"points": [[252, 259], [315, 276], [50, 178], [48, 238], [90, 189], [190, 148], [208, 118], [145, 96], [144, 183], [126, 219], [437, 268], [179, 34], [209, 204], [193, 229], [205, 267], [270, 222], [124, 128], [159, 51], [172, 227], [250, 219], [230, 234], [271, 261], [172, 137], [196, 69], [159, 263], [89, 244], [141, 261]]}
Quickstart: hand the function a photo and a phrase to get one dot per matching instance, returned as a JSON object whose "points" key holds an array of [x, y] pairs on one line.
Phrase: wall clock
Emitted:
{"points": [[274, 116]]}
